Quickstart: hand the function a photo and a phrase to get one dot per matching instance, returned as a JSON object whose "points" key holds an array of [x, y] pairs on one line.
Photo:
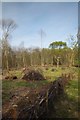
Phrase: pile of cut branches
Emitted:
{"points": [[33, 75]]}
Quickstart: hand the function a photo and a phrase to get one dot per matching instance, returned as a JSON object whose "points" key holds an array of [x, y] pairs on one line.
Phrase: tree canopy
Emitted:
{"points": [[58, 44]]}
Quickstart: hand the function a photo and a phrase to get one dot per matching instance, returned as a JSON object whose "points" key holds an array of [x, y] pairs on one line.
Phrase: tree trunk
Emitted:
{"points": [[7, 64]]}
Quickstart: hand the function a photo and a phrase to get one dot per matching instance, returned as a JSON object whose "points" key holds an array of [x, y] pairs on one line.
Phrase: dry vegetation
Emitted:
{"points": [[23, 93]]}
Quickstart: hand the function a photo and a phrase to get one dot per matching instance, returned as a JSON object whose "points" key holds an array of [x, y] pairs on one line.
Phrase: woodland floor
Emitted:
{"points": [[66, 107]]}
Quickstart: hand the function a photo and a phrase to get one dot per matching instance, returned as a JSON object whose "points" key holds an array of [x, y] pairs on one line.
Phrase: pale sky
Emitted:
{"points": [[58, 21]]}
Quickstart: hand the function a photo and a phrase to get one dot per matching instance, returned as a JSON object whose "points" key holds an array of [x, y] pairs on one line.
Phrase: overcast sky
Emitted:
{"points": [[58, 21]]}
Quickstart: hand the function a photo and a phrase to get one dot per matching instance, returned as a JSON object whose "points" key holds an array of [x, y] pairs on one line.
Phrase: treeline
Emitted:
{"points": [[21, 57], [57, 54]]}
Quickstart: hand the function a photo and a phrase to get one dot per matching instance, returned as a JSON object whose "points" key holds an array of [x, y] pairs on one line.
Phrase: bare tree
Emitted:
{"points": [[42, 34], [7, 26]]}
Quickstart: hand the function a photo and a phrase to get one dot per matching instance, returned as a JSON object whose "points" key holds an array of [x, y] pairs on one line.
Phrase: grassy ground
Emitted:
{"points": [[67, 106]]}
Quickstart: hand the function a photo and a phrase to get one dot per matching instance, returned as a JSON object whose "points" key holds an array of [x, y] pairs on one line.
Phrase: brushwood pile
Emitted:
{"points": [[39, 106], [33, 75]]}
